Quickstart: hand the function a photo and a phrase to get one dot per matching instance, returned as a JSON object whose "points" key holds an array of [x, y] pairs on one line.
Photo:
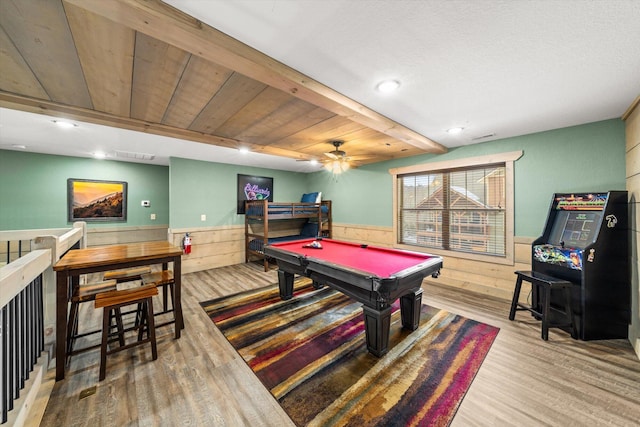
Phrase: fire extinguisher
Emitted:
{"points": [[186, 244]]}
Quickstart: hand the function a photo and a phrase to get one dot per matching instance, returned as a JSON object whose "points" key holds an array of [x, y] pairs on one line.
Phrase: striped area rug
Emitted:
{"points": [[310, 353]]}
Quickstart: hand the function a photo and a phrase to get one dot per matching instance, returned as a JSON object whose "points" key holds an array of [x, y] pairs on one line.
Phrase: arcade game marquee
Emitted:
{"points": [[586, 242]]}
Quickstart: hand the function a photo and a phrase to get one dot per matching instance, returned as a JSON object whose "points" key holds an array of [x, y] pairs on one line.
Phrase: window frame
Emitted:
{"points": [[434, 167]]}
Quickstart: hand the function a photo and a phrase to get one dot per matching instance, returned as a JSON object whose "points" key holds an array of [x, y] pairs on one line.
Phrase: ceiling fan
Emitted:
{"points": [[339, 162]]}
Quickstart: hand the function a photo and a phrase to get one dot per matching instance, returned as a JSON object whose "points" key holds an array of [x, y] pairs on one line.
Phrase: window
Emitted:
{"points": [[458, 206], [460, 210]]}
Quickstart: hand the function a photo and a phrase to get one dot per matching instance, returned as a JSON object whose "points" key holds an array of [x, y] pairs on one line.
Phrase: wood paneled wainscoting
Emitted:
{"points": [[495, 279], [211, 247], [214, 247], [101, 236], [632, 127]]}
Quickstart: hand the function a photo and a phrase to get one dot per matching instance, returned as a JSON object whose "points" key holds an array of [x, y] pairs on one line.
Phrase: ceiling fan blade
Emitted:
{"points": [[331, 156]]}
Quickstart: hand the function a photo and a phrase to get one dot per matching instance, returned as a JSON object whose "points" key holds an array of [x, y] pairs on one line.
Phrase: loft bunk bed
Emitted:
{"points": [[270, 222]]}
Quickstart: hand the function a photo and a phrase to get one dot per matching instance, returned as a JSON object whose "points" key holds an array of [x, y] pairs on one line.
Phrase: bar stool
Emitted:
{"points": [[83, 293], [127, 275], [165, 280], [111, 302], [544, 284]]}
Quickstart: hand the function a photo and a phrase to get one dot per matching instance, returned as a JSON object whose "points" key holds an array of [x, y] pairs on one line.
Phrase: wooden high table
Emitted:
{"points": [[104, 258]]}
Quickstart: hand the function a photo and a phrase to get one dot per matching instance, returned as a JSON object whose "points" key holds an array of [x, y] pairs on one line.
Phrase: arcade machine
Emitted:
{"points": [[586, 242]]}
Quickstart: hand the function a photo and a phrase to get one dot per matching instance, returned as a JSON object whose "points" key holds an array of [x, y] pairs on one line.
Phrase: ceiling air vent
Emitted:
{"points": [[132, 155], [489, 135]]}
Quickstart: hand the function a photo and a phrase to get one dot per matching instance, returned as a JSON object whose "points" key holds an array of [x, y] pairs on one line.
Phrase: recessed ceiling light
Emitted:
{"points": [[455, 131], [65, 124], [19, 146], [388, 86], [99, 155], [243, 150], [313, 162]]}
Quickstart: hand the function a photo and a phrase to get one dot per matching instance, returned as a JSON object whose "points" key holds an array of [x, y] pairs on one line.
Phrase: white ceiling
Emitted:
{"points": [[501, 68]]}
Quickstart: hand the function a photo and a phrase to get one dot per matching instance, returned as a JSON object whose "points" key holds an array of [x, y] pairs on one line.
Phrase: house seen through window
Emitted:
{"points": [[460, 210]]}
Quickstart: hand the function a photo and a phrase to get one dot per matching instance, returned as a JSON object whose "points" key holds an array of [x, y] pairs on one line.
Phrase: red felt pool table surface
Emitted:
{"points": [[381, 262]]}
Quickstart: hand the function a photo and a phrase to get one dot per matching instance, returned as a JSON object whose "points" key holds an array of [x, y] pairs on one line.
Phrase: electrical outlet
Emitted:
{"points": [[203, 217], [153, 217]]}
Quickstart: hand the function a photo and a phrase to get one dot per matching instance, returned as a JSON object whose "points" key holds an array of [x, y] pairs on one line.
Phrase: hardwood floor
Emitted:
{"points": [[199, 380]]}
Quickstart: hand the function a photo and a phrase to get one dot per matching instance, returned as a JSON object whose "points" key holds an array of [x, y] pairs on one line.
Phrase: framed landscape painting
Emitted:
{"points": [[93, 200]]}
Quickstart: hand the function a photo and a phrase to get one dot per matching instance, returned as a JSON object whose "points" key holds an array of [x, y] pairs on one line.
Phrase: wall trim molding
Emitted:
{"points": [[119, 229], [207, 228], [368, 227]]}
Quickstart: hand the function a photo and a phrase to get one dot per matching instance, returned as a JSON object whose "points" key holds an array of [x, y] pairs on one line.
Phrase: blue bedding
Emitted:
{"points": [[309, 230], [287, 209]]}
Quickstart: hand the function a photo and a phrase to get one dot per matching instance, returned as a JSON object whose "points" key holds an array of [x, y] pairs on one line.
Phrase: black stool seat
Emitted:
{"points": [[544, 284]]}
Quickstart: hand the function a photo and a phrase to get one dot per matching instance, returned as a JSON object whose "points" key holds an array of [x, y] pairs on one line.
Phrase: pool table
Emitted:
{"points": [[374, 276]]}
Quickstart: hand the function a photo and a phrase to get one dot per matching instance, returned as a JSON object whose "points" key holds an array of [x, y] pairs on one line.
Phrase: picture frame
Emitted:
{"points": [[93, 200], [253, 188]]}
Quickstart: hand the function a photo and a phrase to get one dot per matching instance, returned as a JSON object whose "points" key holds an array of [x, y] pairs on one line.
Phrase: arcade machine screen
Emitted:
{"points": [[574, 228]]}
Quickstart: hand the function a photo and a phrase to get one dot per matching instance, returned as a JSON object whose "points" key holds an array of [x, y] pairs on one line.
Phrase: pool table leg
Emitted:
{"points": [[285, 283], [377, 323], [410, 306]]}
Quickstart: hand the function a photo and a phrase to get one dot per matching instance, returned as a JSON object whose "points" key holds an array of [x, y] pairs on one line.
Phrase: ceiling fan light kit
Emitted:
{"points": [[337, 166], [338, 162]]}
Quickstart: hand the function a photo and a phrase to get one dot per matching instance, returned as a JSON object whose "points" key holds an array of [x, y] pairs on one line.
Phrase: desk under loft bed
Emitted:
{"points": [[270, 222]]}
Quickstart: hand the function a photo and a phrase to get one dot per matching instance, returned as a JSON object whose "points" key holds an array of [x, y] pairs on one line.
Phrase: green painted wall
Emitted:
{"points": [[588, 157], [33, 189], [358, 196], [208, 188]]}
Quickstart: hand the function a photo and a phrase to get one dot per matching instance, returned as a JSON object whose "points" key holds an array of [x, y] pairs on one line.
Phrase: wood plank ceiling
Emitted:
{"points": [[144, 66]]}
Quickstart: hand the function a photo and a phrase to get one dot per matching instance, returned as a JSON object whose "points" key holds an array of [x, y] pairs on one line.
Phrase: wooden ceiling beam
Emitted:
{"points": [[165, 23], [50, 108]]}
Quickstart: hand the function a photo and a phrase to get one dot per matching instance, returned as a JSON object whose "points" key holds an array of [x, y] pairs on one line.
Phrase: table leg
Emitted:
{"points": [[410, 306], [285, 283], [177, 297], [376, 325], [62, 286]]}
